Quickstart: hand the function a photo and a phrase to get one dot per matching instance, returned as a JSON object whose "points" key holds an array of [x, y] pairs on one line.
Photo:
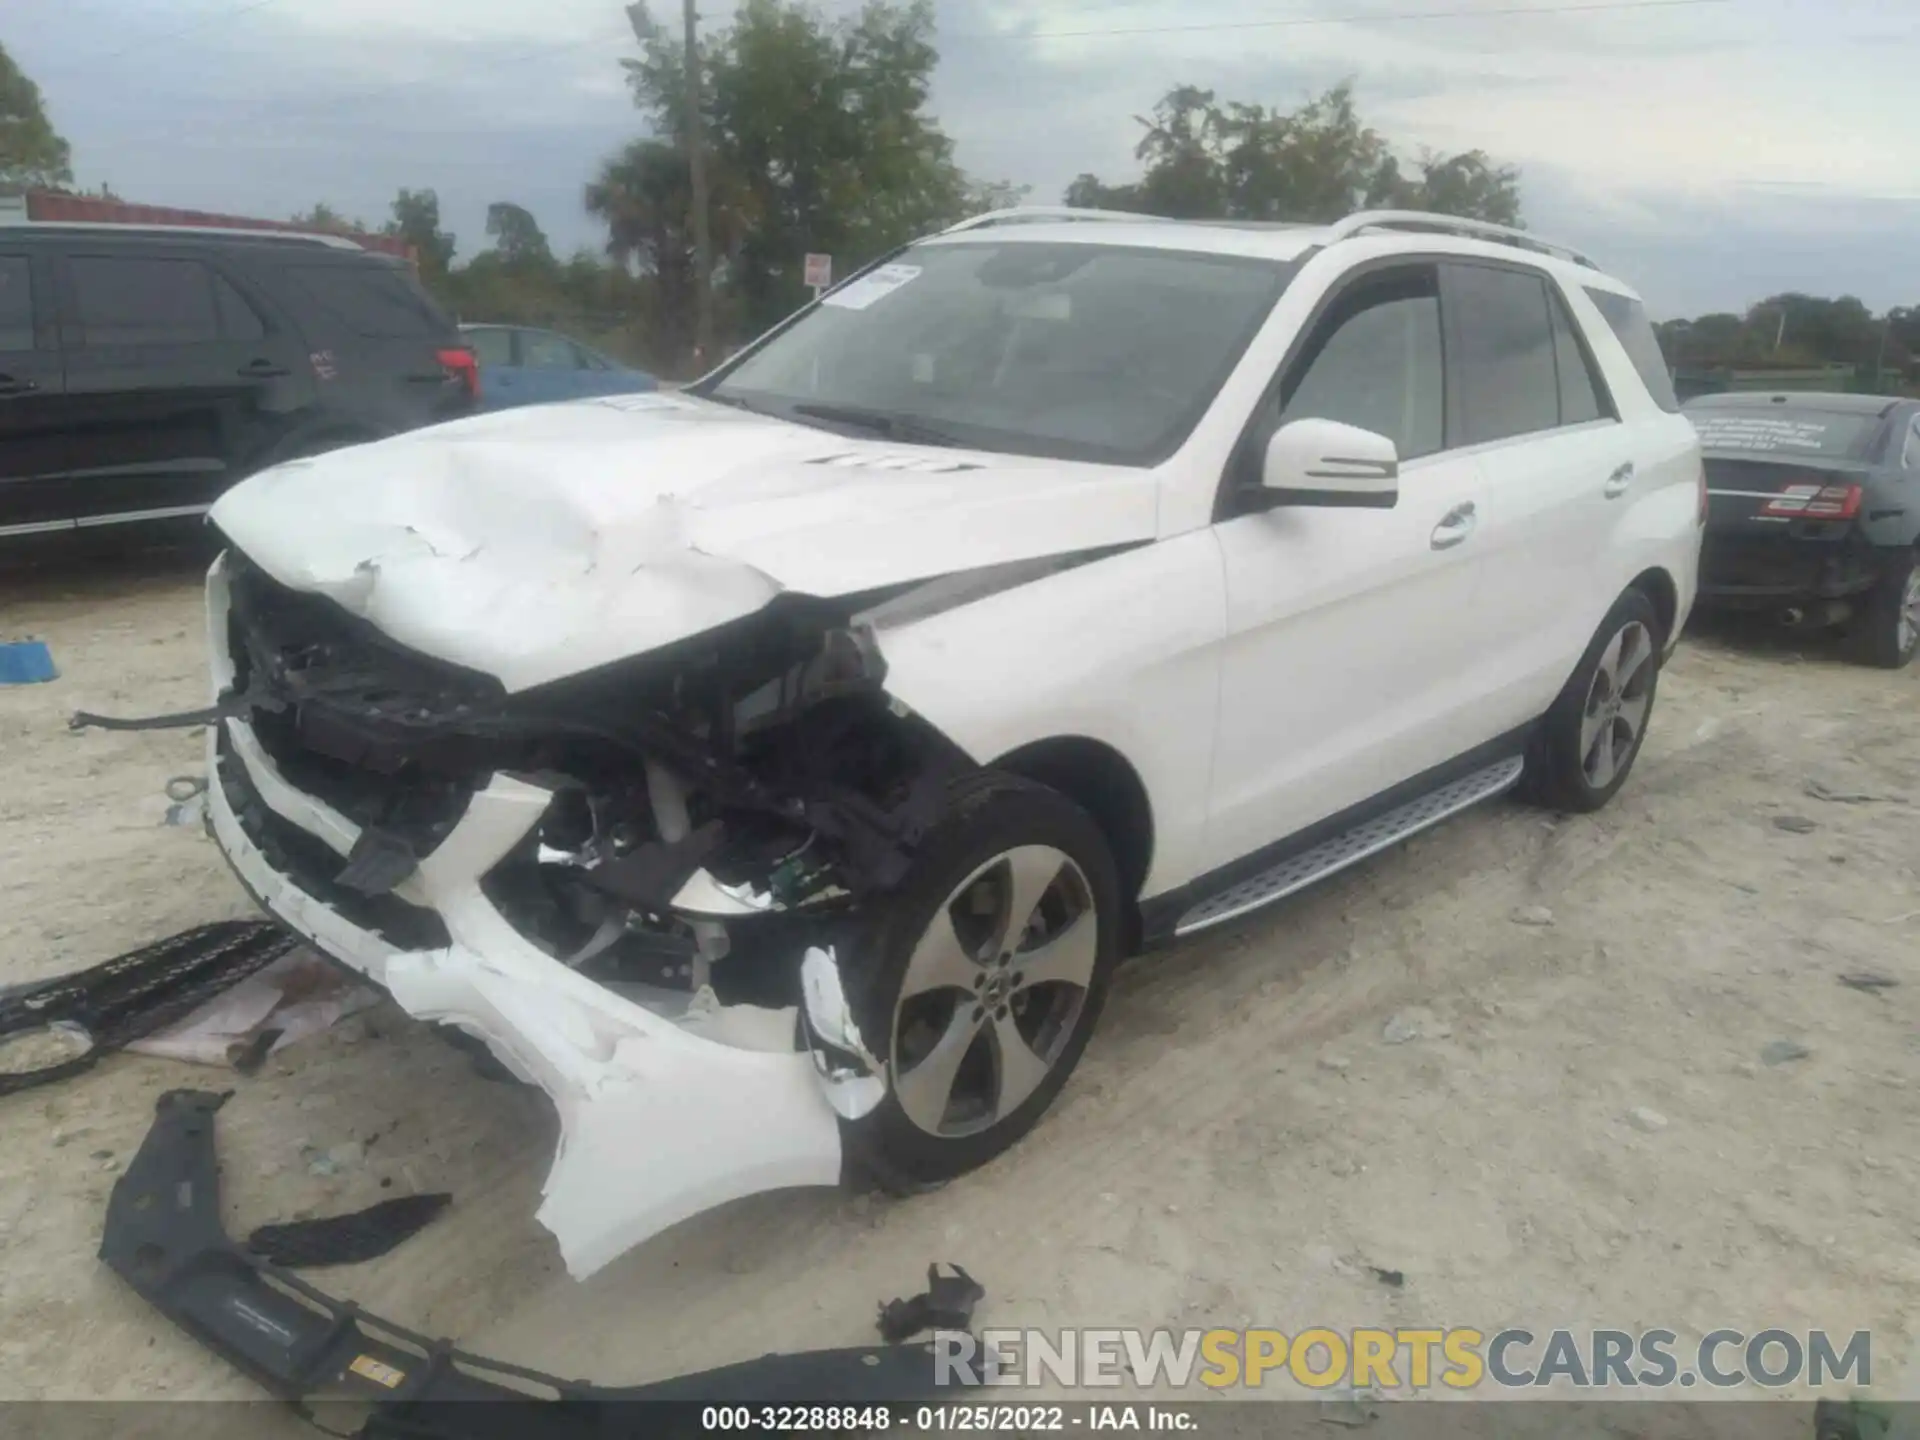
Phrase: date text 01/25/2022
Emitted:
{"points": [[935, 1419]]}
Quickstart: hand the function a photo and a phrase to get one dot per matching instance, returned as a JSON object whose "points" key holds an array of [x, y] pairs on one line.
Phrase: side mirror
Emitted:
{"points": [[1325, 463]]}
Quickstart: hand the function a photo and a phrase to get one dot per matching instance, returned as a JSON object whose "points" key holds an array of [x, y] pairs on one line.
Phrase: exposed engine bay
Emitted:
{"points": [[644, 888], [754, 773]]}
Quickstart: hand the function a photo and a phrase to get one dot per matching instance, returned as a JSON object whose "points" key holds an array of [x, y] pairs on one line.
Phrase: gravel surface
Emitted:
{"points": [[1556, 1072]]}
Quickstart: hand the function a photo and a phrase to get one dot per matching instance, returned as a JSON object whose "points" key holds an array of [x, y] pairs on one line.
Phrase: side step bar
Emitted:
{"points": [[1370, 837]]}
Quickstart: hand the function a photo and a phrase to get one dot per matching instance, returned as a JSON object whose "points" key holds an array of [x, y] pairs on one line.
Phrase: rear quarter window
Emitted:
{"points": [[370, 300], [1627, 318]]}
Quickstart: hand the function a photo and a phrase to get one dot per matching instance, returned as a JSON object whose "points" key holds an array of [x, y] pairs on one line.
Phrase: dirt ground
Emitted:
{"points": [[1429, 1065]]}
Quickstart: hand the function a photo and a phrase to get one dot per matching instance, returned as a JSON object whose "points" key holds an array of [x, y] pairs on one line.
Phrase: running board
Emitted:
{"points": [[1350, 847]]}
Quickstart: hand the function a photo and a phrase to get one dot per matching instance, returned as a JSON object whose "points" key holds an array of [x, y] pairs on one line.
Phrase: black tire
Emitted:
{"points": [[988, 815], [1885, 633], [1558, 773]]}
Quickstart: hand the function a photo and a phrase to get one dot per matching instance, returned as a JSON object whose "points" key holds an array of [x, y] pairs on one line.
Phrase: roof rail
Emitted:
{"points": [[1027, 214], [1450, 225], [10, 218]]}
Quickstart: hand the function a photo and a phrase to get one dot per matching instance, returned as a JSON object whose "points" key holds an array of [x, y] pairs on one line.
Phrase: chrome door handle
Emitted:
{"points": [[1455, 526], [1619, 482]]}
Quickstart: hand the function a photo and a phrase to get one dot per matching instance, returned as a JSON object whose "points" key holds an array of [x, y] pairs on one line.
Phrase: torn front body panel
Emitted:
{"points": [[607, 772], [661, 1118], [536, 544]]}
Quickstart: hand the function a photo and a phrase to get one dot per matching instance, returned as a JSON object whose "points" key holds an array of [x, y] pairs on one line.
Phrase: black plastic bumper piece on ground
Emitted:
{"points": [[163, 1236]]}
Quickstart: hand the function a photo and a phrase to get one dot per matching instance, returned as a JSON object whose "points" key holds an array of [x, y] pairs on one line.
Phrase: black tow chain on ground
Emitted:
{"points": [[132, 995]]}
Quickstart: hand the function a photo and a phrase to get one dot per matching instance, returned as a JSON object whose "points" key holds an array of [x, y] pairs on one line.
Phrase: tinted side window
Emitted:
{"points": [[1582, 392], [134, 300], [1628, 320], [1375, 362], [16, 303], [370, 300], [542, 351], [238, 319], [492, 347], [1505, 360]]}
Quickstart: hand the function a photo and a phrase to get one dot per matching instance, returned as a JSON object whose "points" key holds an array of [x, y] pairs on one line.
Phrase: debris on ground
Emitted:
{"points": [[187, 802], [1817, 791], [1533, 915], [297, 995], [347, 1239], [1868, 983], [1351, 1412], [1783, 1052], [1794, 824], [1416, 1023], [1392, 1279], [1647, 1121], [946, 1304], [60, 1027], [176, 1256], [26, 662]]}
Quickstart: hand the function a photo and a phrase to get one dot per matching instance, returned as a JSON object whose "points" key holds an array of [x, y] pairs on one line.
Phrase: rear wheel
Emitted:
{"points": [[1886, 632], [1589, 740], [989, 967]]}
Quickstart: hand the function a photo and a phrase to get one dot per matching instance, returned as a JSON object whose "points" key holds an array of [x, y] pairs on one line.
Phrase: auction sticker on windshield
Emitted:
{"points": [[882, 282]]}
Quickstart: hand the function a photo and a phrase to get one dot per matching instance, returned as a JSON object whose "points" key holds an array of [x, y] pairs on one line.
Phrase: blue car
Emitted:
{"points": [[523, 366]]}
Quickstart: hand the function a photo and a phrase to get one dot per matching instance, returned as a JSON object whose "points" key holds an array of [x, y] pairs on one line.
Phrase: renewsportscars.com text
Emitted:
{"points": [[1458, 1359]]}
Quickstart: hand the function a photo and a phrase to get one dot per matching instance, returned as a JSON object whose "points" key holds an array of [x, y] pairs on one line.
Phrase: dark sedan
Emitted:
{"points": [[1815, 514]]}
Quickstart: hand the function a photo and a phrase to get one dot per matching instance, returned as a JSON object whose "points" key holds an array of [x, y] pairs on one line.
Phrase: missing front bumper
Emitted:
{"points": [[163, 1237], [661, 1118]]}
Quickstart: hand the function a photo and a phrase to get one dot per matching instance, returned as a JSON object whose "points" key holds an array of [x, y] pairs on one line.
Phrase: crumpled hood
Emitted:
{"points": [[533, 544]]}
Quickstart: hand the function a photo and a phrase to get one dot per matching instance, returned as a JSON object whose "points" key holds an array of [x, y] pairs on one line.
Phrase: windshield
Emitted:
{"points": [[1080, 351], [1789, 432]]}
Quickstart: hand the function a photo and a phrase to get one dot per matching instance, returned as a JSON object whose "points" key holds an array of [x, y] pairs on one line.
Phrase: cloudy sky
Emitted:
{"points": [[1711, 151]]}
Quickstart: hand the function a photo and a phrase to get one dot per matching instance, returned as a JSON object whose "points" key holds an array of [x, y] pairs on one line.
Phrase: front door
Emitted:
{"points": [[184, 385], [1350, 648], [33, 450]]}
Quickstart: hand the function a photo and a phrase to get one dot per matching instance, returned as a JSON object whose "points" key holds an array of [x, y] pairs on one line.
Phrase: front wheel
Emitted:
{"points": [[1588, 741], [986, 973]]}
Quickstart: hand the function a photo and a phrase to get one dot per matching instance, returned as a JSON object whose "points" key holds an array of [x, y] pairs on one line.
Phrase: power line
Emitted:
{"points": [[1298, 21], [165, 35]]}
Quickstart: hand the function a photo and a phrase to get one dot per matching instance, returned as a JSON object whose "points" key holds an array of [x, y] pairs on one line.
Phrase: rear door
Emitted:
{"points": [[387, 356], [176, 382], [32, 388], [1557, 463]]}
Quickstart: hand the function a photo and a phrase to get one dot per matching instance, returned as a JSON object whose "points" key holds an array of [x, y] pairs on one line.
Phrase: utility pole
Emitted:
{"points": [[645, 32], [697, 165]]}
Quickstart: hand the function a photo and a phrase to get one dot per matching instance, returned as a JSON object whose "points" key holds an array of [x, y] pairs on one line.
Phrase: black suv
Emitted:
{"points": [[143, 370]]}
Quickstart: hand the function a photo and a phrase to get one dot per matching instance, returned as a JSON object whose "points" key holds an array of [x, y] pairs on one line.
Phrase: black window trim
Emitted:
{"points": [[1234, 476], [72, 334], [1455, 419], [42, 299], [1603, 388]]}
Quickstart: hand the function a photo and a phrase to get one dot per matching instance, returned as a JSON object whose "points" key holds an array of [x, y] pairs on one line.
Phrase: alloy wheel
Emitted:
{"points": [[1617, 704], [994, 991]]}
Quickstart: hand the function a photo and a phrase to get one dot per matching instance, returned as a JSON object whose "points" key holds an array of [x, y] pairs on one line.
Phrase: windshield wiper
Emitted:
{"points": [[909, 428]]}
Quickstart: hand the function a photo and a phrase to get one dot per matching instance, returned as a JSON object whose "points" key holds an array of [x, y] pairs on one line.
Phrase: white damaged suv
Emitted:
{"points": [[775, 771]]}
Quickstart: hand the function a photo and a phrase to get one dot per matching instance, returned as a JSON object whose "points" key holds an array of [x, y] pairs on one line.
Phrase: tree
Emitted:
{"points": [[517, 237], [416, 220], [644, 196], [1238, 161], [817, 139], [33, 155], [323, 217]]}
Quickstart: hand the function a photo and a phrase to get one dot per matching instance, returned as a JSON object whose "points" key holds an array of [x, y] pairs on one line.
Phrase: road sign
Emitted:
{"points": [[819, 272]]}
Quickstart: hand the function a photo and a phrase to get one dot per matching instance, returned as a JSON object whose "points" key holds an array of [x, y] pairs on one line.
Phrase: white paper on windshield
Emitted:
{"points": [[861, 293]]}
